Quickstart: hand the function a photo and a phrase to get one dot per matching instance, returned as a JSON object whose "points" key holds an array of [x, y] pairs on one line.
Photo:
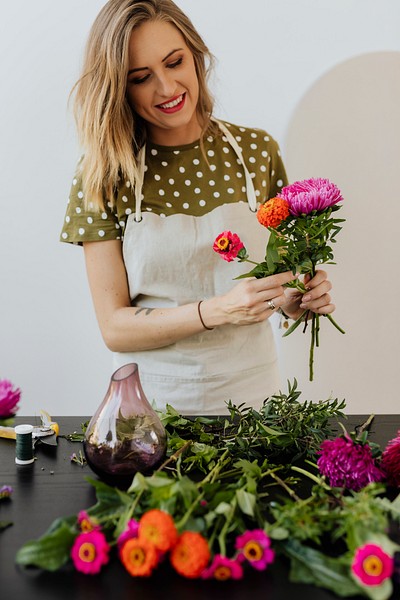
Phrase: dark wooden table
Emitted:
{"points": [[55, 487]]}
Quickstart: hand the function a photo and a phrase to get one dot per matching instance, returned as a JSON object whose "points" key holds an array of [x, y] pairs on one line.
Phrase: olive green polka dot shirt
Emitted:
{"points": [[179, 179]]}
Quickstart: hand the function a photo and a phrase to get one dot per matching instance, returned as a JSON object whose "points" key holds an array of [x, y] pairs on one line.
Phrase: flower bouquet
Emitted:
{"points": [[302, 226]]}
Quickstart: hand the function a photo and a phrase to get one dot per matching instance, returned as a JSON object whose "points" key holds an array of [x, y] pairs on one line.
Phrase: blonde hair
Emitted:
{"points": [[109, 131]]}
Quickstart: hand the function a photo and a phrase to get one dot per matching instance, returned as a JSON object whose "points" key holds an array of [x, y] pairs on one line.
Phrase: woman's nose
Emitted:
{"points": [[166, 85]]}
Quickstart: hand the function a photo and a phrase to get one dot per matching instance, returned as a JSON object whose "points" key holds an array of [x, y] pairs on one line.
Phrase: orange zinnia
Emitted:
{"points": [[273, 212], [158, 527], [139, 557], [190, 555]]}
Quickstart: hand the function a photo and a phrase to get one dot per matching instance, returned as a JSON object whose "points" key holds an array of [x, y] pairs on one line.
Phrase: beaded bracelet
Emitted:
{"points": [[201, 318]]}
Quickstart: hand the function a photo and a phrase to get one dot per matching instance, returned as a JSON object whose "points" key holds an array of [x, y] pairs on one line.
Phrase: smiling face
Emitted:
{"points": [[162, 85]]}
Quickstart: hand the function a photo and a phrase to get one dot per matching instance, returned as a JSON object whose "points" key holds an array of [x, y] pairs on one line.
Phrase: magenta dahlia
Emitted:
{"points": [[348, 464], [390, 463], [9, 398], [310, 194]]}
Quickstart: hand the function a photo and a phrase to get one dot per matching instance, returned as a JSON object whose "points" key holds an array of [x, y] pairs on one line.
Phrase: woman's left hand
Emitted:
{"points": [[317, 298]]}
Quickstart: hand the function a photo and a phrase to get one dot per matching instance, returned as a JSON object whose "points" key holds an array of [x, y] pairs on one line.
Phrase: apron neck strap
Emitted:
{"points": [[250, 192], [139, 183]]}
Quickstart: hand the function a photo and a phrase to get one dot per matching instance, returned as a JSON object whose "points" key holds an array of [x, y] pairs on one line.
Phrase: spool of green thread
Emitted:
{"points": [[24, 446]]}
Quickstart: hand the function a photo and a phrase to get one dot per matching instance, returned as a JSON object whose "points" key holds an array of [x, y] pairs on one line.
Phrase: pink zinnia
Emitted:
{"points": [[9, 398], [348, 464], [87, 523], [310, 194], [131, 531], [90, 552], [371, 565], [390, 463], [223, 568], [255, 547], [228, 245]]}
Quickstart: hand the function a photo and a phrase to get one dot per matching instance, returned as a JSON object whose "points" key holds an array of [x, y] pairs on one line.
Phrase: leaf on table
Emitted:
{"points": [[246, 501], [49, 552], [313, 567]]}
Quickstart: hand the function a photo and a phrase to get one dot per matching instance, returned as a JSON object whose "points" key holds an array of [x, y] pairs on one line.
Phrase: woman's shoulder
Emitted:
{"points": [[252, 138]]}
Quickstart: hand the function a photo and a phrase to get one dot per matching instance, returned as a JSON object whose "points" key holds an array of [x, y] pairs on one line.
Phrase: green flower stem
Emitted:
{"points": [[311, 476], [212, 475], [224, 530], [312, 344], [295, 324], [253, 262], [316, 329], [287, 489], [332, 320], [176, 455]]}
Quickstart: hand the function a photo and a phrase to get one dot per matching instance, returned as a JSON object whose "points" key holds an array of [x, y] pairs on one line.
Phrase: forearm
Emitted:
{"points": [[126, 328], [132, 329]]}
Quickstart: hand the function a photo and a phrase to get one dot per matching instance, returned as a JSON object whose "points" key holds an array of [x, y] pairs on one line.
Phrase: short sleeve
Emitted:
{"points": [[278, 175], [85, 224]]}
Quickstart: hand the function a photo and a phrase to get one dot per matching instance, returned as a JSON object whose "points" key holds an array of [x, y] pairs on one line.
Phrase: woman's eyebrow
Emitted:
{"points": [[163, 60]]}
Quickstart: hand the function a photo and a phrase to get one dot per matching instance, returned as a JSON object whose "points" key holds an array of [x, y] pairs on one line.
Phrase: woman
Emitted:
{"points": [[159, 180]]}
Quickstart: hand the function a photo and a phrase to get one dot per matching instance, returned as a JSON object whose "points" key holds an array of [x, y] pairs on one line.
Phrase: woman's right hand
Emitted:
{"points": [[248, 302]]}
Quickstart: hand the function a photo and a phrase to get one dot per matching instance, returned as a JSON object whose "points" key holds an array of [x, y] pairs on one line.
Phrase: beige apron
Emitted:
{"points": [[170, 262]]}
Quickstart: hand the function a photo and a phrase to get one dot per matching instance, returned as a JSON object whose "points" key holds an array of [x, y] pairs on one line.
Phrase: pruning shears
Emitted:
{"points": [[46, 432]]}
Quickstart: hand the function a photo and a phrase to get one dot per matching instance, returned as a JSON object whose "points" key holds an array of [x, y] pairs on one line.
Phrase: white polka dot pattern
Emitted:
{"points": [[181, 179]]}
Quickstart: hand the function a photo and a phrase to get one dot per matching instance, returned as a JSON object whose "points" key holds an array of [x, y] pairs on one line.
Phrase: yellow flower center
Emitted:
{"points": [[373, 565], [86, 526], [152, 533], [223, 243], [253, 551], [87, 552], [137, 557], [222, 573]]}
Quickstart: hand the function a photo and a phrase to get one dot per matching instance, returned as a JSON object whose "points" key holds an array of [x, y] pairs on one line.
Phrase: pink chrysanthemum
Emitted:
{"points": [[130, 532], [390, 463], [90, 552], [223, 568], [228, 245], [348, 464], [9, 398], [87, 523], [255, 547], [371, 565], [310, 194]]}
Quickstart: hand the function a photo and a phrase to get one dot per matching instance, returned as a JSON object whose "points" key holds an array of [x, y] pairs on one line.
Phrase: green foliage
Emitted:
{"points": [[221, 478], [284, 426], [52, 550], [299, 244]]}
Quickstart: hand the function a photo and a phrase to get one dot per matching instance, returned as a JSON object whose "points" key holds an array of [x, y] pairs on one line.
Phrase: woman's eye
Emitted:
{"points": [[175, 64], [138, 80]]}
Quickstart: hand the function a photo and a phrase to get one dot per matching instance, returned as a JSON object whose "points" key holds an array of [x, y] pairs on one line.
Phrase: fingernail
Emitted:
{"points": [[306, 298]]}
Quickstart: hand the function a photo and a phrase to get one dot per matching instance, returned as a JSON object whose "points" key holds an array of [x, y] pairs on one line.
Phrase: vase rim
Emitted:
{"points": [[124, 372]]}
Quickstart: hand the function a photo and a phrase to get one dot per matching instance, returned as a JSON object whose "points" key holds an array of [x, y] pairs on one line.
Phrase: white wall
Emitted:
{"points": [[273, 57]]}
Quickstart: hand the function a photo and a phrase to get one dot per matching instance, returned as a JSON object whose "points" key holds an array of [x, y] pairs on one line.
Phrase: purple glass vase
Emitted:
{"points": [[125, 435]]}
